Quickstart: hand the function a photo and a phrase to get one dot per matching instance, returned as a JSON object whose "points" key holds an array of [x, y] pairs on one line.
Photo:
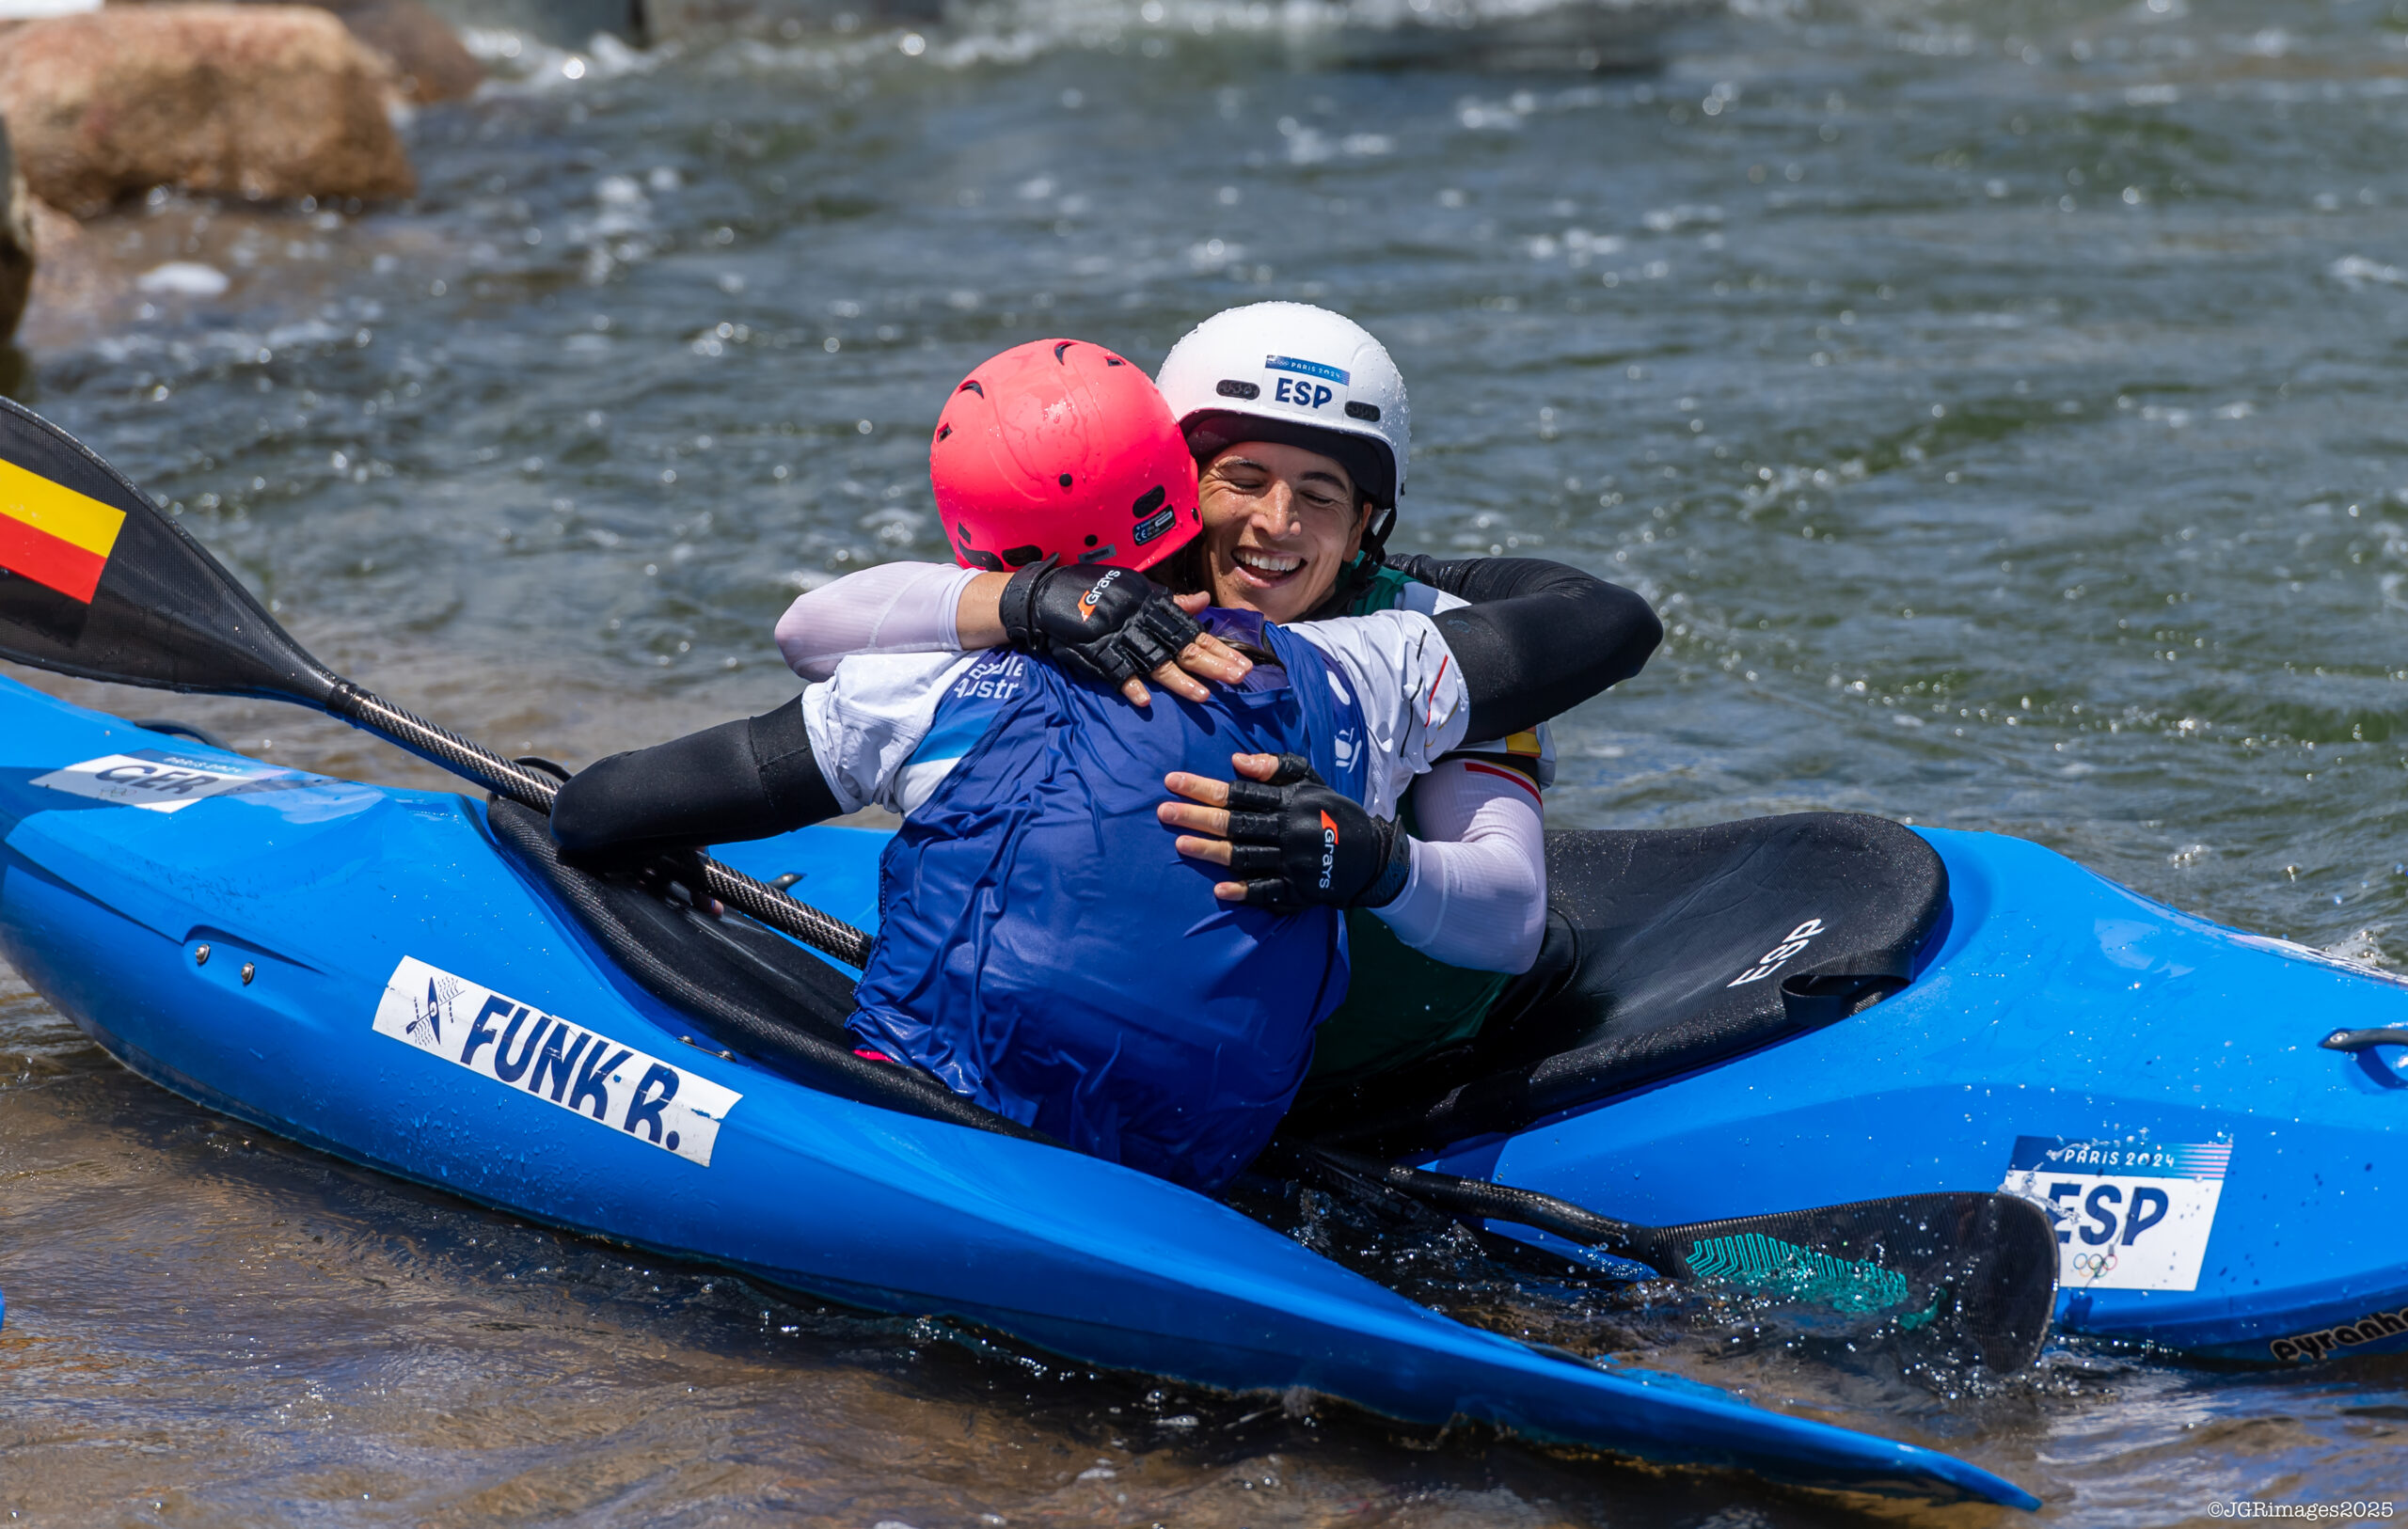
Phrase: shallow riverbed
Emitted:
{"points": [[2001, 402]]}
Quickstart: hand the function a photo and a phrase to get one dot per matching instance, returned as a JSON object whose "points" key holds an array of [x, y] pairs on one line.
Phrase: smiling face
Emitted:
{"points": [[1280, 523]]}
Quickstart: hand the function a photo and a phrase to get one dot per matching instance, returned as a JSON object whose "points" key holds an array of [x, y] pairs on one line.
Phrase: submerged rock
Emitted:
{"points": [[429, 61], [244, 100], [16, 241]]}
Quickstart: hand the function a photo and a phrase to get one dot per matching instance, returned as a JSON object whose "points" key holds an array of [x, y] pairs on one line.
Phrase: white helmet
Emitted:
{"points": [[1295, 374]]}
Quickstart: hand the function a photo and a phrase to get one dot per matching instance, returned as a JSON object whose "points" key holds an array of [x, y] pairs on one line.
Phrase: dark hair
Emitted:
{"points": [[1186, 572]]}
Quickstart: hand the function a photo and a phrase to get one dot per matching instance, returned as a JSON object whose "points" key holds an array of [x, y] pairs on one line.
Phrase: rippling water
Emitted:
{"points": [[2000, 402]]}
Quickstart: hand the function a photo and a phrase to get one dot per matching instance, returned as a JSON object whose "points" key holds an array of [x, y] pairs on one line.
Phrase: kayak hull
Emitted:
{"points": [[2225, 1187], [356, 969]]}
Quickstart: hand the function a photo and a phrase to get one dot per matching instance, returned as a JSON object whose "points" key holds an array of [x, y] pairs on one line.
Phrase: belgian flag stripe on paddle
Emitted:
{"points": [[54, 535]]}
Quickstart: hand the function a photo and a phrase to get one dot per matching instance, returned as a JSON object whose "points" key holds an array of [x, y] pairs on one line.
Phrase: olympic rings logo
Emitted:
{"points": [[2093, 1264]]}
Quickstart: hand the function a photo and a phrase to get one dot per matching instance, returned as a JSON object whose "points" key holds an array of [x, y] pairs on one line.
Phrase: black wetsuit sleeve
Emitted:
{"points": [[1538, 638], [743, 780]]}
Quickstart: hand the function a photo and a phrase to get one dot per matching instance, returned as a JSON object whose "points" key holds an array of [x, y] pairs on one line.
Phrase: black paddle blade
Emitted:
{"points": [[1988, 1263], [1985, 1263], [95, 582]]}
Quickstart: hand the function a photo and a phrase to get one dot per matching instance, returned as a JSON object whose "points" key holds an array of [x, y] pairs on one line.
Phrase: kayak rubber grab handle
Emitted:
{"points": [[2360, 1040], [533, 789]]}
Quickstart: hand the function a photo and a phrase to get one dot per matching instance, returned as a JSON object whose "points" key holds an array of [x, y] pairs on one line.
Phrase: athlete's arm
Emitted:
{"points": [[1472, 893], [1537, 638], [742, 780], [894, 607], [1299, 840], [911, 607], [1413, 695], [1478, 894], [839, 749]]}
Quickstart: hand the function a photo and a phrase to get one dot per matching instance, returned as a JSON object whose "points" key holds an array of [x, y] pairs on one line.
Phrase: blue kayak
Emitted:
{"points": [[370, 971], [362, 969]]}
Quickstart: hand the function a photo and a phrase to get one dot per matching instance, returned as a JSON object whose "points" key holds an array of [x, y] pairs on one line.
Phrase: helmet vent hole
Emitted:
{"points": [[1090, 541], [1066, 480], [1232, 387], [942, 430], [1146, 503], [971, 386], [1114, 361], [1060, 348], [1363, 411]]}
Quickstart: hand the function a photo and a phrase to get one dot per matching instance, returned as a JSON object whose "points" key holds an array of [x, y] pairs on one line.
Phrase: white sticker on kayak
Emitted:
{"points": [[160, 780], [1780, 955], [2129, 1215], [520, 1047]]}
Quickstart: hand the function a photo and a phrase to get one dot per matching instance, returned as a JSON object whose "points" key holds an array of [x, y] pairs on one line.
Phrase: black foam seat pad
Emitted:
{"points": [[1652, 939]]}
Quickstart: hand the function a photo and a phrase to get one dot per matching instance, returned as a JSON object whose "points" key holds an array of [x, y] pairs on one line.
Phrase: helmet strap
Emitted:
{"points": [[1376, 531], [1357, 575]]}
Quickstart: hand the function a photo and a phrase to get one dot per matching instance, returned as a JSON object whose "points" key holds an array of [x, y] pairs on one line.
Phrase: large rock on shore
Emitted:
{"points": [[241, 100], [428, 59]]}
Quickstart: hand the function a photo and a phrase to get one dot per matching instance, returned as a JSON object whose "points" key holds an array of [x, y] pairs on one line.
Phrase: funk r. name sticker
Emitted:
{"points": [[521, 1047]]}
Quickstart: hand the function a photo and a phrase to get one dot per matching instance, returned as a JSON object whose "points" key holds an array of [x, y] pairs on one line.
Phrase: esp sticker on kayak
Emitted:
{"points": [[162, 780], [2129, 1215], [522, 1047]]}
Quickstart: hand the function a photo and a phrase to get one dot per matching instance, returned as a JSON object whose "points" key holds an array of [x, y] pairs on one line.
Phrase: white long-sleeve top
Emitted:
{"points": [[894, 607], [1477, 896]]}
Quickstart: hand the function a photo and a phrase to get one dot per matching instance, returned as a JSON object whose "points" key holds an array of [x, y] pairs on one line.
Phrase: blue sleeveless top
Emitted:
{"points": [[1045, 950]]}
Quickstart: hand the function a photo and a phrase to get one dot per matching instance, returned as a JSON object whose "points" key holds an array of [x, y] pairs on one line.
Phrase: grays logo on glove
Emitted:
{"points": [[1296, 842], [1101, 623]]}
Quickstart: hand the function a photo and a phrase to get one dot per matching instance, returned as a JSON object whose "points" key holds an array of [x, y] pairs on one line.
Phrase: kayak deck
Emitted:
{"points": [[2223, 1185]]}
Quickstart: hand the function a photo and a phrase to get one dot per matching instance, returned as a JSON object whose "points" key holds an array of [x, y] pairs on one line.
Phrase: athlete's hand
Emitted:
{"points": [[1295, 840], [1115, 625], [658, 871], [681, 868]]}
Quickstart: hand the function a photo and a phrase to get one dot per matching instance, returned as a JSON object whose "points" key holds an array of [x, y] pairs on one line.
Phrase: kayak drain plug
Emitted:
{"points": [[200, 955], [248, 972]]}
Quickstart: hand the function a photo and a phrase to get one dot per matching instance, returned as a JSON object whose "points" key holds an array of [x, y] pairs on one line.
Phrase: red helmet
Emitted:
{"points": [[1061, 448]]}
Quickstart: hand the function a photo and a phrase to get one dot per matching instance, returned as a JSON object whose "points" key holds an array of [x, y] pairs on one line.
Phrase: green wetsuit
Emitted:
{"points": [[1401, 1005]]}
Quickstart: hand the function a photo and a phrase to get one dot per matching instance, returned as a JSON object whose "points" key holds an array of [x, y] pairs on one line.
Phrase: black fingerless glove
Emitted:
{"points": [[1104, 623], [1295, 842]]}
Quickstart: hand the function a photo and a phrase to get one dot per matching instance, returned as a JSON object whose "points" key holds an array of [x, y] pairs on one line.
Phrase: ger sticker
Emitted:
{"points": [[164, 780], [2129, 1215], [525, 1050]]}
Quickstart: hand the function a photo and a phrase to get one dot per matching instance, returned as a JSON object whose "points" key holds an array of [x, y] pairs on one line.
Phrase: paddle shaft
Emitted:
{"points": [[1479, 1198], [440, 746], [164, 613]]}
